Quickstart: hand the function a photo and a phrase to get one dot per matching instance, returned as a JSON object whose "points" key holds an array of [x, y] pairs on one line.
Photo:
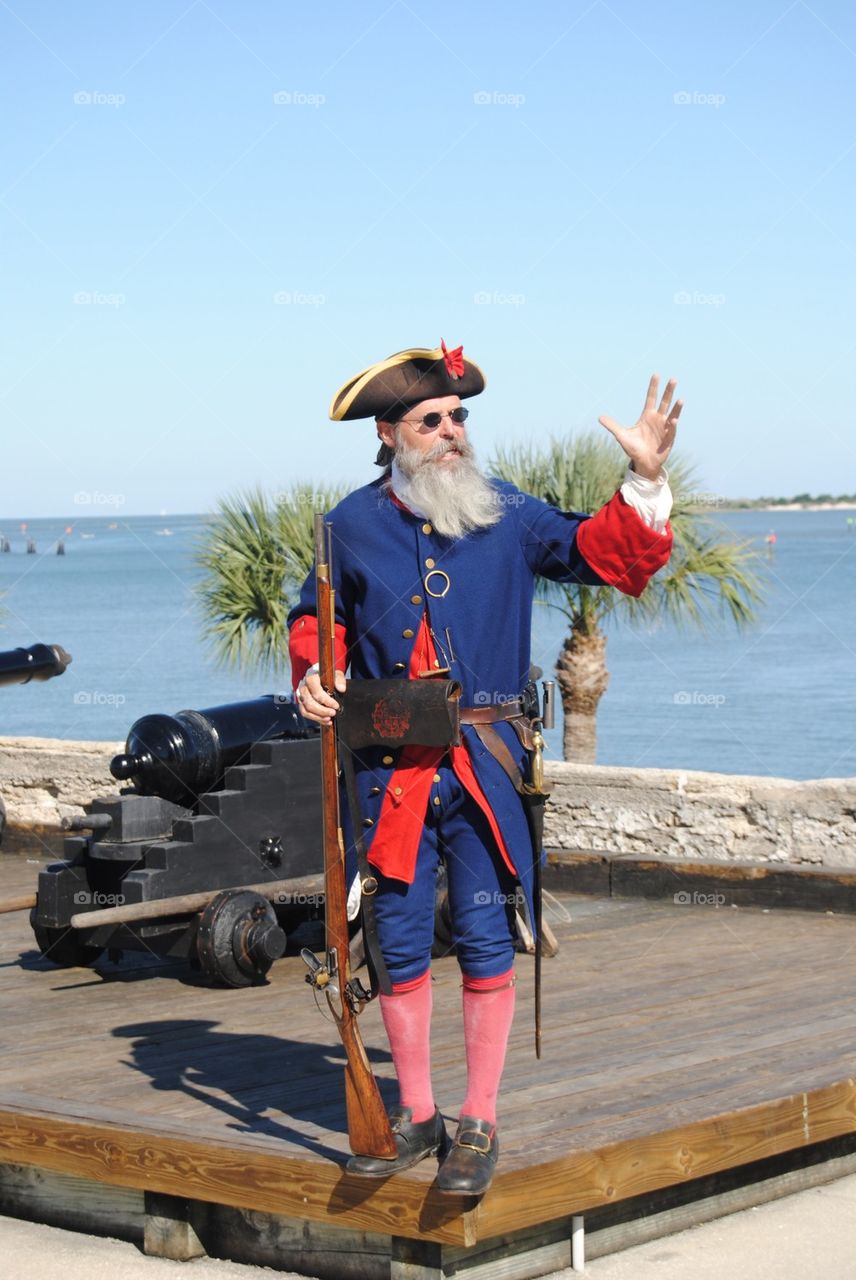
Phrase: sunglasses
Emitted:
{"points": [[431, 421]]}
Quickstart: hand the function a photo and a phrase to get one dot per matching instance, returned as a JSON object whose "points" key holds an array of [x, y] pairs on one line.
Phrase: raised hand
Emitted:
{"points": [[649, 443]]}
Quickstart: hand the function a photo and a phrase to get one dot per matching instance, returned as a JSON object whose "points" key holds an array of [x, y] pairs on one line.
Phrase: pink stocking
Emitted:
{"points": [[488, 1013], [407, 1018]]}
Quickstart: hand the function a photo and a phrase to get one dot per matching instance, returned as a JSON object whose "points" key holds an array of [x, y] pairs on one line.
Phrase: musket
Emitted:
{"points": [[369, 1132], [535, 795]]}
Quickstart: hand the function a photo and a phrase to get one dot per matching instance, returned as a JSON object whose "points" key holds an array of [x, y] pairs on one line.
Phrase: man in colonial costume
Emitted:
{"points": [[434, 569]]}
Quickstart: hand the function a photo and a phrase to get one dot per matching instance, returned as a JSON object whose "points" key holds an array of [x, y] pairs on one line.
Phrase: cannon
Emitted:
{"points": [[211, 854], [20, 666], [39, 662]]}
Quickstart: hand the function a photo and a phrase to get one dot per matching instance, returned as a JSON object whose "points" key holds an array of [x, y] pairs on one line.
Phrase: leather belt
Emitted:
{"points": [[490, 715]]}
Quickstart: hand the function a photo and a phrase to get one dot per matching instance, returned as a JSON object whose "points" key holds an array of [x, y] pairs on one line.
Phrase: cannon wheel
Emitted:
{"points": [[238, 938], [63, 946]]}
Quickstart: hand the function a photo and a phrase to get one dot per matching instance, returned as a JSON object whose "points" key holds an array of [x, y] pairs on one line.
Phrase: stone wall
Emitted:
{"points": [[43, 780], [660, 812], [710, 816]]}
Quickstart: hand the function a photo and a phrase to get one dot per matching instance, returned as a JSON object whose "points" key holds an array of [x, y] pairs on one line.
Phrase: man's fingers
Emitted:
{"points": [[651, 398], [315, 702], [676, 413], [610, 424], [667, 396]]}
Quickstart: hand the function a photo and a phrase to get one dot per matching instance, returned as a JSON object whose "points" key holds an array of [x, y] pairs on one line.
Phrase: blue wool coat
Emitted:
{"points": [[381, 558]]}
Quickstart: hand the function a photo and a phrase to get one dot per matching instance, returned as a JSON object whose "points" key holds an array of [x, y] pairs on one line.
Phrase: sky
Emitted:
{"points": [[213, 213]]}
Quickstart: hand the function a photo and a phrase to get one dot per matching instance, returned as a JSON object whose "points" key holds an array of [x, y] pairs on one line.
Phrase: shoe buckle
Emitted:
{"points": [[475, 1141]]}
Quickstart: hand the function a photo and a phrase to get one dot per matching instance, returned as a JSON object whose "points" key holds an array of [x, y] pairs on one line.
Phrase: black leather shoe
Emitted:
{"points": [[414, 1143], [469, 1167]]}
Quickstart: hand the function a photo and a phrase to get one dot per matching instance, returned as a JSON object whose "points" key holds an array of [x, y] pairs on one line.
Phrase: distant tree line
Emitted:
{"points": [[782, 502]]}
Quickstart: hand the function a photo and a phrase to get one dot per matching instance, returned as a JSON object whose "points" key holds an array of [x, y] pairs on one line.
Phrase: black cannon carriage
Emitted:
{"points": [[211, 854]]}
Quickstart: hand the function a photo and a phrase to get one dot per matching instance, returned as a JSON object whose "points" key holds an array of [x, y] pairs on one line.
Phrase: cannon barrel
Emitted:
{"points": [[180, 757], [39, 662]]}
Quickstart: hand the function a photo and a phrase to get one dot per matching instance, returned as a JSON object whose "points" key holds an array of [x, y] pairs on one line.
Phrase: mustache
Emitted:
{"points": [[462, 447]]}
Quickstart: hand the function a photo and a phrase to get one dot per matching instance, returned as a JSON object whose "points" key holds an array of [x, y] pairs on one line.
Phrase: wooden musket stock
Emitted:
{"points": [[369, 1132]]}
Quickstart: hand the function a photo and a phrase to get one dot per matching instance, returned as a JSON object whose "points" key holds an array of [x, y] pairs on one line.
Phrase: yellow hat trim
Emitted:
{"points": [[357, 383]]}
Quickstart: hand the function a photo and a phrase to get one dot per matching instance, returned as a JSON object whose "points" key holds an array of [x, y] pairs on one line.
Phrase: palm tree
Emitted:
{"points": [[707, 578], [256, 554]]}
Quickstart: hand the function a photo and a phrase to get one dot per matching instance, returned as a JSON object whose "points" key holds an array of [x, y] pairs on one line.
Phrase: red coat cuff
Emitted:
{"points": [[303, 647], [621, 547]]}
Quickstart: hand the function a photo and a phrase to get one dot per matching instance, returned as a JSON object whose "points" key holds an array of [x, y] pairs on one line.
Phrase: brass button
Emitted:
{"points": [[436, 799], [387, 760], [407, 633], [436, 662], [426, 528], [368, 822], [436, 777], [399, 666], [398, 791], [415, 599], [374, 791], [429, 563]]}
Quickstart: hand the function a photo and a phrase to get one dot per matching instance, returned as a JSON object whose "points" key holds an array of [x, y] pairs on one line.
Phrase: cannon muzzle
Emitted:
{"points": [[181, 757], [39, 662]]}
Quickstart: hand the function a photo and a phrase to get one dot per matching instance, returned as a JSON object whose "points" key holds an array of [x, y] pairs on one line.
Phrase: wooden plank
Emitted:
{"points": [[232, 1175], [582, 1180]]}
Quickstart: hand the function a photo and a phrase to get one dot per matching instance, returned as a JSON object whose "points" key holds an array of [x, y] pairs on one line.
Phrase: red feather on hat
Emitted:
{"points": [[454, 360]]}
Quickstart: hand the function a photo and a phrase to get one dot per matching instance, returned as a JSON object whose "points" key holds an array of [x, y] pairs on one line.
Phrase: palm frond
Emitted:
{"points": [[710, 575], [255, 555]]}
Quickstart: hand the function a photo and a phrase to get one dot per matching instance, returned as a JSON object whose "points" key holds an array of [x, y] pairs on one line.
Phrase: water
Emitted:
{"points": [[778, 699]]}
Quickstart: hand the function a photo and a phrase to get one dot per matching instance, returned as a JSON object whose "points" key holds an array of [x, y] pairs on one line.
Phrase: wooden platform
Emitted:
{"points": [[680, 1041]]}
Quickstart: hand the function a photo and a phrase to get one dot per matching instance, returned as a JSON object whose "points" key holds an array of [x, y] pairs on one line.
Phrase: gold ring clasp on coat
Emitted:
{"points": [[437, 573]]}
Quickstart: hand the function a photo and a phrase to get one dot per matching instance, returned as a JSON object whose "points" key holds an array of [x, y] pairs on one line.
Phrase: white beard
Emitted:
{"points": [[455, 496]]}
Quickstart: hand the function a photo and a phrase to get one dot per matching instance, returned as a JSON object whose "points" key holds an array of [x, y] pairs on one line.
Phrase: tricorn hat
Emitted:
{"points": [[392, 385]]}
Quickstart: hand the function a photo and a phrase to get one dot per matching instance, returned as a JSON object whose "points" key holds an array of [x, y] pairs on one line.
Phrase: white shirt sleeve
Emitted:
{"points": [[652, 499]]}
